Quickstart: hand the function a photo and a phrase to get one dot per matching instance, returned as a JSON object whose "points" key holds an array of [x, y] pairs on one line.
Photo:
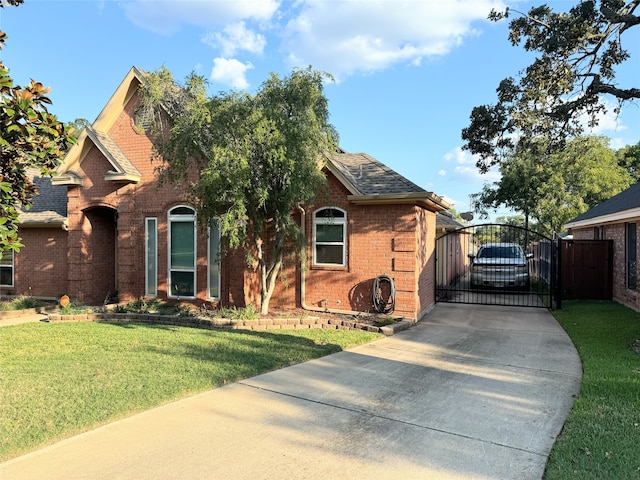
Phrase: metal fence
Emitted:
{"points": [[495, 264]]}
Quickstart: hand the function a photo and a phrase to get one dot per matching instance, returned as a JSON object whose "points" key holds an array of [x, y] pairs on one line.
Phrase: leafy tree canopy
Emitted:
{"points": [[29, 137], [554, 188], [257, 156], [575, 70], [629, 158]]}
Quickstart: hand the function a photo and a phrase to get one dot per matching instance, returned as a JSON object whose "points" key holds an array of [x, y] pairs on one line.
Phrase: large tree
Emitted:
{"points": [[29, 137], [258, 157], [570, 79], [554, 188], [629, 158]]}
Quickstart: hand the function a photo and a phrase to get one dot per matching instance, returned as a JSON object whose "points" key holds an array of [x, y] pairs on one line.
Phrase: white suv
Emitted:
{"points": [[500, 265]]}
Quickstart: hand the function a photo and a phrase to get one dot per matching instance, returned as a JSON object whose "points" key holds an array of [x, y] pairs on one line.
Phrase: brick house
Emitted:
{"points": [[120, 232], [616, 219]]}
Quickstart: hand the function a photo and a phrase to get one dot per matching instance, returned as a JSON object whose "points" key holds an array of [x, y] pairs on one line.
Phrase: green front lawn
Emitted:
{"points": [[59, 379], [601, 438]]}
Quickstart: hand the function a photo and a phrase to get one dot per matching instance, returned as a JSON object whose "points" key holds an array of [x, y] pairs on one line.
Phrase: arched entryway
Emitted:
{"points": [[495, 264], [98, 266]]}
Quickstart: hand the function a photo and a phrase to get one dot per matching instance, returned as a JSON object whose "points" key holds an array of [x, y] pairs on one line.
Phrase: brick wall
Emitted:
{"points": [[40, 268], [381, 240]]}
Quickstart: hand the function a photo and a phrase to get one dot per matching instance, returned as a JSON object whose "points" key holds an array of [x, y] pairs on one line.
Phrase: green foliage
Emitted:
{"points": [[75, 308], [553, 188], [29, 137], [573, 73], [257, 156], [629, 158], [247, 313], [22, 303], [600, 436], [75, 128], [152, 306]]}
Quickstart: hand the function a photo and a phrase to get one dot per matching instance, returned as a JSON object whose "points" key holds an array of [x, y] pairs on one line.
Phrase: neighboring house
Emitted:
{"points": [[126, 234], [616, 219]]}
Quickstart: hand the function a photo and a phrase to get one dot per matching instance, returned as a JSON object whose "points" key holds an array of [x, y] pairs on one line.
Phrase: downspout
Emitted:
{"points": [[303, 302]]}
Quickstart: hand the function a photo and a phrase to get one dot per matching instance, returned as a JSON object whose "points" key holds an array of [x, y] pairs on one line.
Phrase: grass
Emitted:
{"points": [[601, 437], [59, 379]]}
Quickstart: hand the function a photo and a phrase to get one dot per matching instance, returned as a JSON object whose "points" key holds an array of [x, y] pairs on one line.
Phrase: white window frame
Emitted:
{"points": [[631, 257], [181, 218], [330, 221], [213, 260], [151, 261], [11, 266]]}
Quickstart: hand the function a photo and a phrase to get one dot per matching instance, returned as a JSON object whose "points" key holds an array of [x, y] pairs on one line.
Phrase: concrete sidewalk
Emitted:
{"points": [[471, 392], [7, 320]]}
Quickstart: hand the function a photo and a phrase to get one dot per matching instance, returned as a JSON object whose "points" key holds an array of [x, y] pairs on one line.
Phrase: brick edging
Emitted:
{"points": [[258, 324]]}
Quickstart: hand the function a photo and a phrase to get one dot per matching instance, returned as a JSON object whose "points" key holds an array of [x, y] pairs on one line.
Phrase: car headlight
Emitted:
{"points": [[476, 269], [522, 269]]}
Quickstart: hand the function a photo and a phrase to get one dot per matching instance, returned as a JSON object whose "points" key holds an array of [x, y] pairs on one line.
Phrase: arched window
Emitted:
{"points": [[330, 237], [182, 252]]}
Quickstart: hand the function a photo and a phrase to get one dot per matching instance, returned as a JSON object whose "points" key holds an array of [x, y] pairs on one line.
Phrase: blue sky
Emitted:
{"points": [[408, 72]]}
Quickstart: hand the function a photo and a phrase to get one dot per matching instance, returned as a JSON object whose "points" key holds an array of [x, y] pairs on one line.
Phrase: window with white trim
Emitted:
{"points": [[330, 237], [6, 269], [214, 260], [151, 257], [182, 252]]}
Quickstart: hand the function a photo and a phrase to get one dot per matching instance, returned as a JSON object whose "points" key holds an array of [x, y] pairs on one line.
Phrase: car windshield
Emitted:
{"points": [[499, 252]]}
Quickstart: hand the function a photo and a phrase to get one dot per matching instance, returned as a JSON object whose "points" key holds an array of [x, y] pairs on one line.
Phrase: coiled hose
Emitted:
{"points": [[381, 302]]}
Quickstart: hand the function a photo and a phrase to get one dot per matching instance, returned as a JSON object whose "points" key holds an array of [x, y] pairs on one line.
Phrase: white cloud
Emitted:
{"points": [[442, 172], [611, 121], [168, 16], [342, 37], [232, 72], [345, 37], [465, 169], [236, 37]]}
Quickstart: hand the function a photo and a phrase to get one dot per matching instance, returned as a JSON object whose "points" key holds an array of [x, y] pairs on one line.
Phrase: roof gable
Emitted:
{"points": [[622, 206], [371, 182], [123, 169]]}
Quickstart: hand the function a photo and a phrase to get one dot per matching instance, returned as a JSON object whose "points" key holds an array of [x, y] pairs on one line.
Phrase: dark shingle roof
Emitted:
{"points": [[371, 177], [49, 206], [445, 220], [626, 200]]}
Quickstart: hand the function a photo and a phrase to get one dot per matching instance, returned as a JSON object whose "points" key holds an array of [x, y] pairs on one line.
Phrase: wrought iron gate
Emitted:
{"points": [[495, 264]]}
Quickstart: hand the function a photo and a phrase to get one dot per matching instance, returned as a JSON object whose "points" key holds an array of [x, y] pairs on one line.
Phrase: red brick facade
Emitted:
{"points": [[105, 247], [41, 265]]}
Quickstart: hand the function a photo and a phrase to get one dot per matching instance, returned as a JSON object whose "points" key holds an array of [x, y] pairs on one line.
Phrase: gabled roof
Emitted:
{"points": [[95, 135], [621, 207], [372, 182], [49, 207], [123, 168]]}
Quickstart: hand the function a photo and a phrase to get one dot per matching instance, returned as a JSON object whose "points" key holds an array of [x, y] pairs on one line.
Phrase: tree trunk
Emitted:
{"points": [[269, 273]]}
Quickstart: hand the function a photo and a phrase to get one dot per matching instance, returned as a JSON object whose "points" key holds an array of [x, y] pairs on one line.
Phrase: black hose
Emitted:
{"points": [[380, 303]]}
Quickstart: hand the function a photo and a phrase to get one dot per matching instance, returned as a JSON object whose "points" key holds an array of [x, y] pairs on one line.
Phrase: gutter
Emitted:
{"points": [[303, 302]]}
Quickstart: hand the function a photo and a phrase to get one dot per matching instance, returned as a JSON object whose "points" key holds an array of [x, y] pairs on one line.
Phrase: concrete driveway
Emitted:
{"points": [[471, 392]]}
